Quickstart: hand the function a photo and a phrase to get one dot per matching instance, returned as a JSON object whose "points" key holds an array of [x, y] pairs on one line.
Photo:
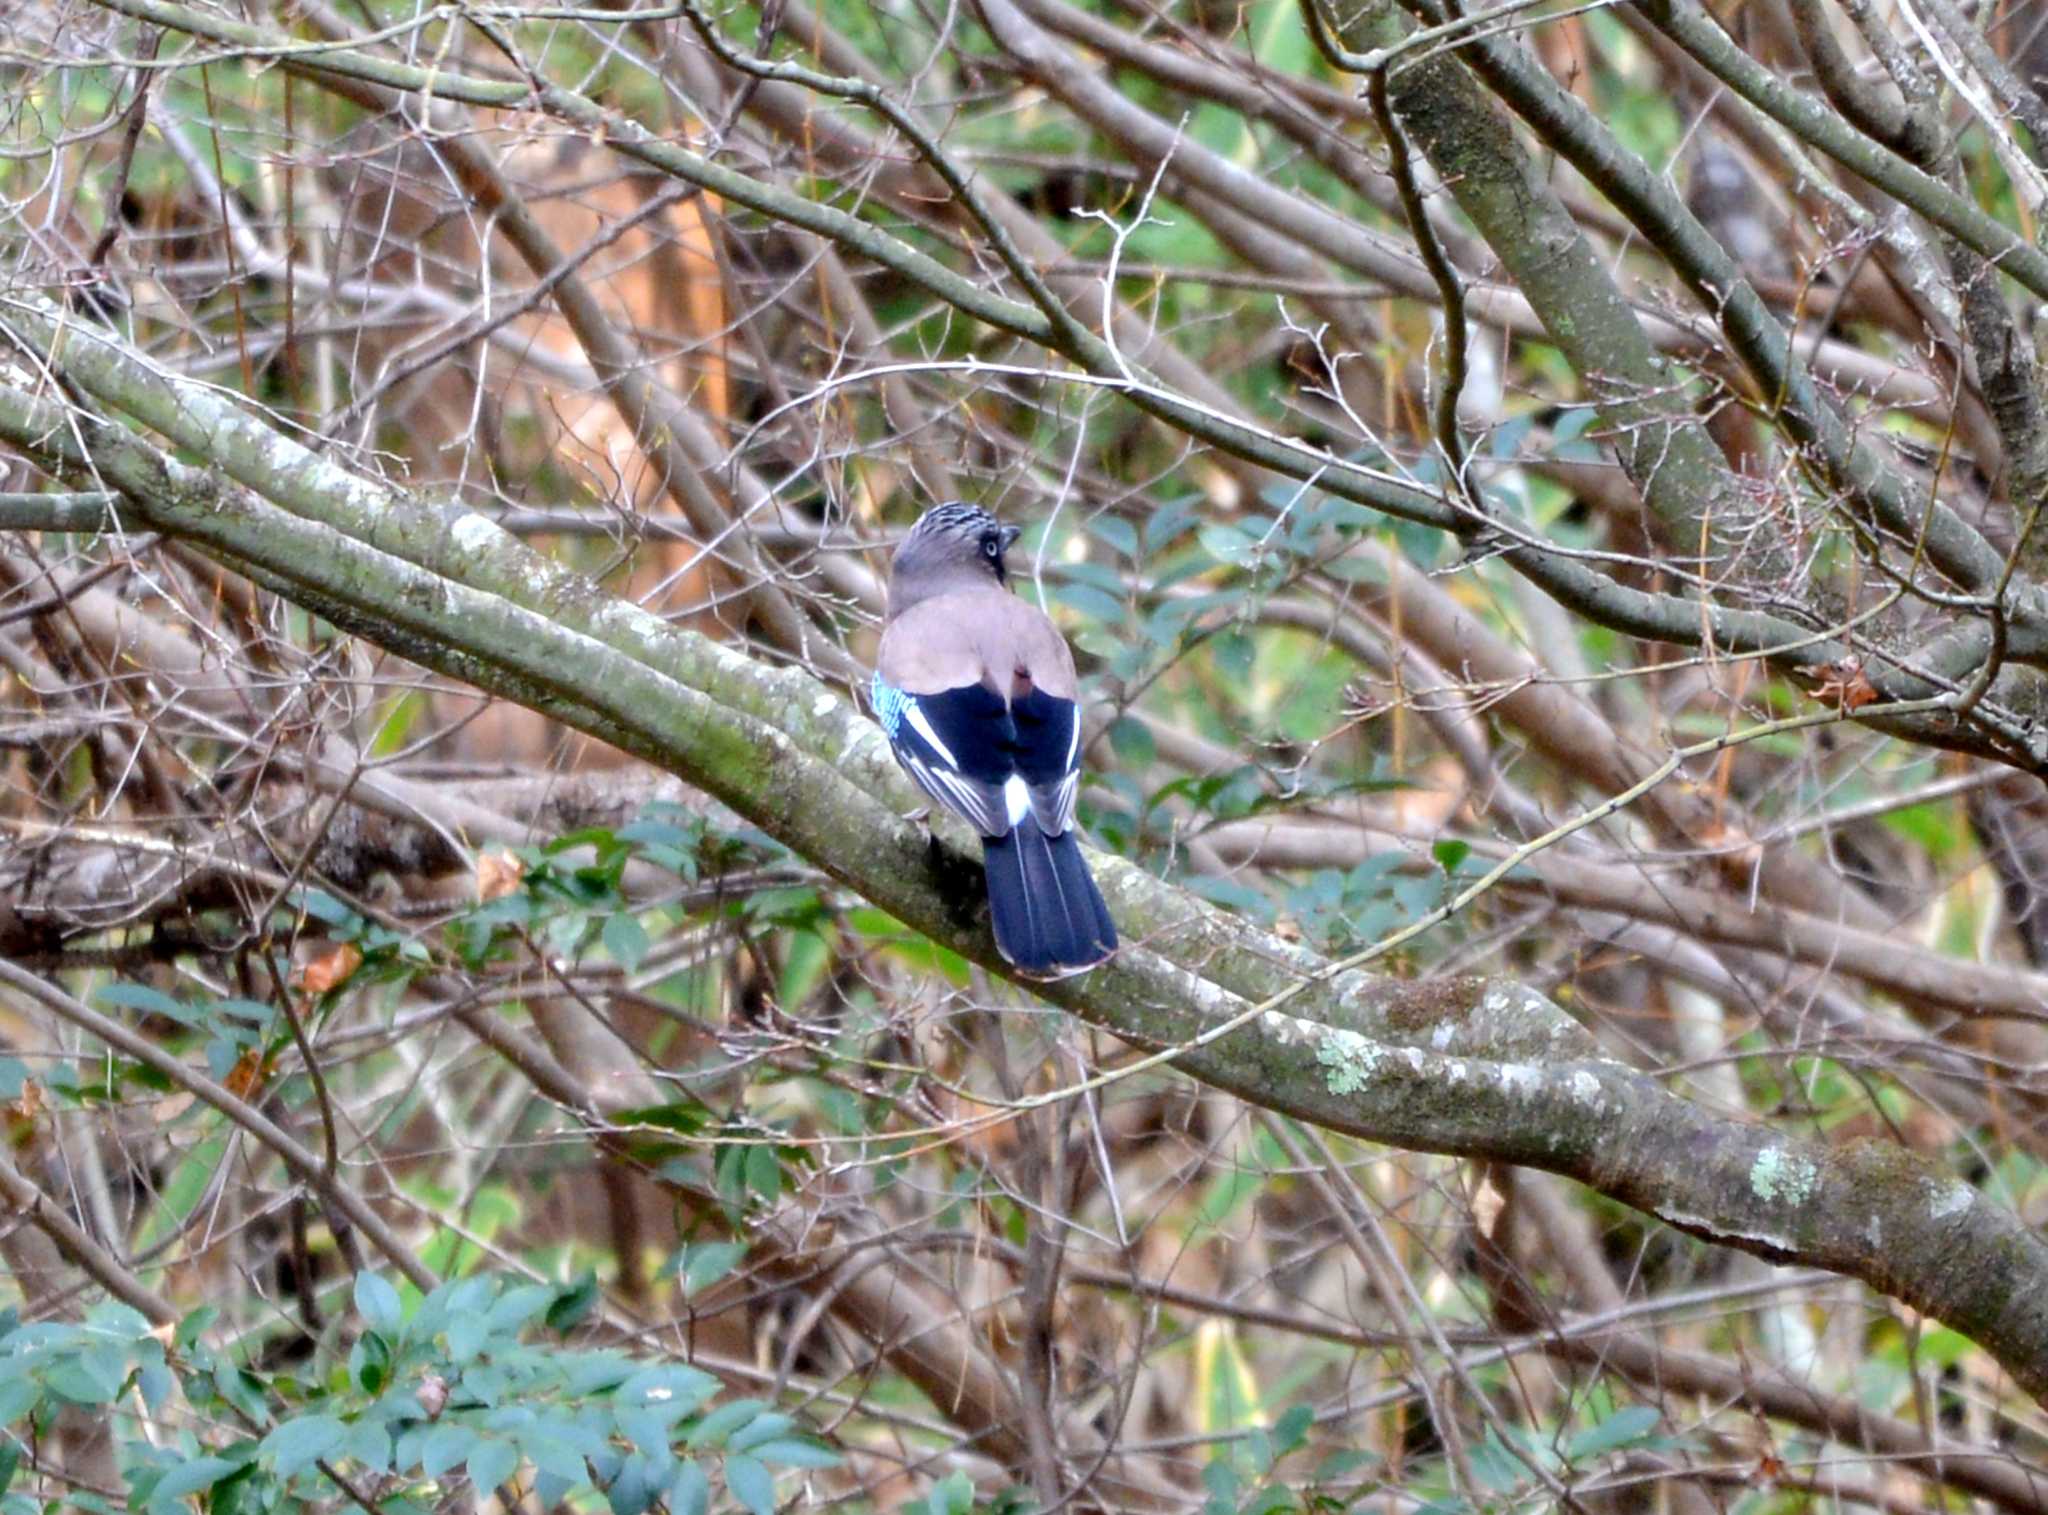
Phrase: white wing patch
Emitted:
{"points": [[923, 724]]}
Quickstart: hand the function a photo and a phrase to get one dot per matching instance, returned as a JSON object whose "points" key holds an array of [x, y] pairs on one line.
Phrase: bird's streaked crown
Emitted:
{"points": [[952, 546]]}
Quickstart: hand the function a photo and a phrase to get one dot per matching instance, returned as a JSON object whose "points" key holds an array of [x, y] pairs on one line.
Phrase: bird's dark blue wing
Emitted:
{"points": [[1048, 757], [958, 745], [992, 762]]}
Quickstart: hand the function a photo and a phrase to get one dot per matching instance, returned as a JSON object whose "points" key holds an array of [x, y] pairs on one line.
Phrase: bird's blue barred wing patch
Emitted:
{"points": [[888, 701]]}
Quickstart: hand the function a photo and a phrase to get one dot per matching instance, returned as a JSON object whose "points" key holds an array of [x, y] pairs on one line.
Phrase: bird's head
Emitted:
{"points": [[952, 546]]}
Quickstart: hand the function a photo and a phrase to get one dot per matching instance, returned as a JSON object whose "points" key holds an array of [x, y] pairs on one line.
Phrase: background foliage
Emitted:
{"points": [[1545, 492]]}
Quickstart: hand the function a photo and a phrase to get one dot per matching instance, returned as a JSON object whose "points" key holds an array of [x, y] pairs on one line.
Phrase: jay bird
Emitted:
{"points": [[975, 689]]}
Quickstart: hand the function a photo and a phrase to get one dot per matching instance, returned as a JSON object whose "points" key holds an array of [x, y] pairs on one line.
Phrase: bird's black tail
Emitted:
{"points": [[1048, 915]]}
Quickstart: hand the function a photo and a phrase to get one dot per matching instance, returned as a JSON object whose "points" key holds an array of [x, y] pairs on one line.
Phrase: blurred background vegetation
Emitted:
{"points": [[260, 879]]}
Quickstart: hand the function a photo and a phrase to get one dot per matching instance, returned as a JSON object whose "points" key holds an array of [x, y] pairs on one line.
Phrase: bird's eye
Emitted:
{"points": [[992, 547]]}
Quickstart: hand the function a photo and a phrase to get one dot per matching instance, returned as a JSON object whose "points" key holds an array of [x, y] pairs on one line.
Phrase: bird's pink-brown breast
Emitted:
{"points": [[976, 636]]}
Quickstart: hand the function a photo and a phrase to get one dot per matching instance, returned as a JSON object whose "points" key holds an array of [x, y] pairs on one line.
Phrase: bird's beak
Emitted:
{"points": [[1010, 534]]}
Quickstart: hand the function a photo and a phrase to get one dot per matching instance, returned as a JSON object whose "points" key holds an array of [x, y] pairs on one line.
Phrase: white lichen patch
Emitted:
{"points": [[644, 623], [1441, 1037], [1349, 1060], [1292, 1030], [618, 618], [475, 533], [1284, 1029], [822, 706], [731, 661], [1212, 1000], [1500, 1000], [1586, 1087], [1951, 1199], [1781, 1177], [1520, 1078]]}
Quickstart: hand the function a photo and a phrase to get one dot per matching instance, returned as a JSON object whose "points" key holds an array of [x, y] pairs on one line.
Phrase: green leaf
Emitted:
{"points": [[625, 940], [952, 1495], [300, 1443], [242, 1389], [253, 1011], [515, 1307], [18, 1396], [764, 1172], [789, 1452], [670, 1391], [467, 1336], [751, 1484], [1117, 532], [554, 1457], [95, 1376], [1232, 894], [324, 907], [596, 1372], [1450, 852], [1131, 740], [490, 1464], [1495, 1468], [1091, 602], [1236, 656], [1623, 1428], [445, 1446], [189, 1478], [686, 1117], [147, 1000], [1169, 521], [657, 833], [1292, 1429], [762, 1428], [1221, 1479], [154, 1381], [369, 1363], [714, 1428], [708, 1261], [1339, 1464], [194, 1326], [690, 1494], [643, 1430], [377, 1302], [1269, 1501], [1228, 544], [631, 1490], [369, 1443], [572, 1303]]}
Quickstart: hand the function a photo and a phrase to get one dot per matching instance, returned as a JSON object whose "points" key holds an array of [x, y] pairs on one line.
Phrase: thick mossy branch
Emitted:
{"points": [[1483, 1067]]}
